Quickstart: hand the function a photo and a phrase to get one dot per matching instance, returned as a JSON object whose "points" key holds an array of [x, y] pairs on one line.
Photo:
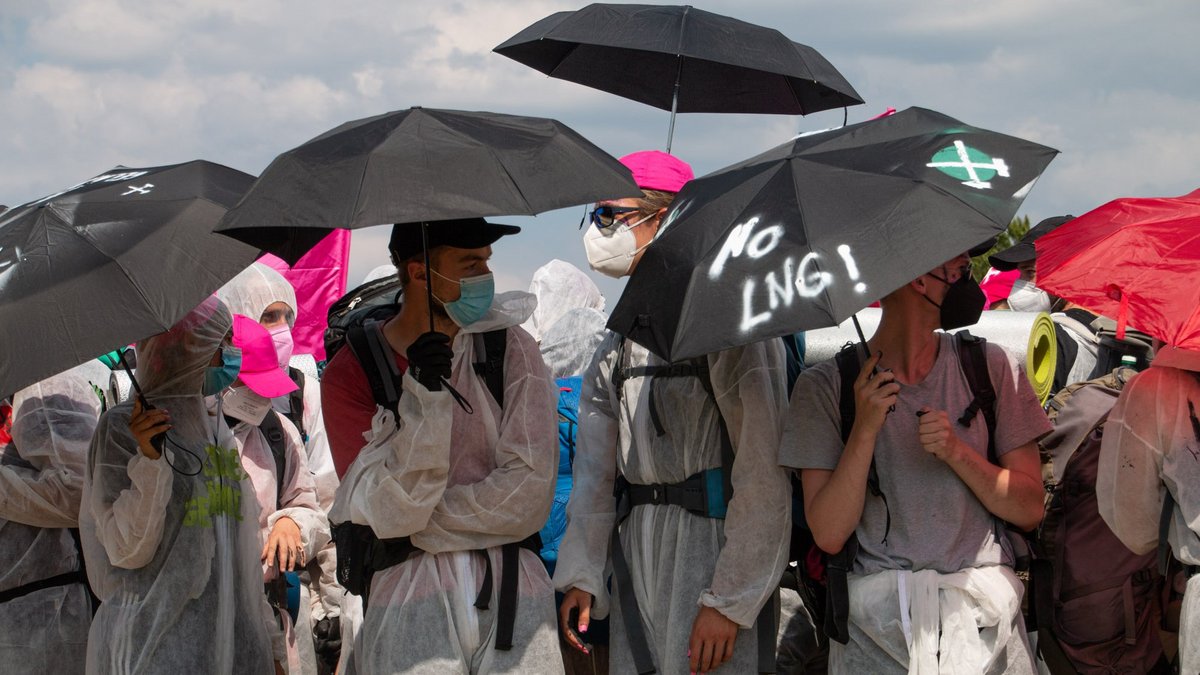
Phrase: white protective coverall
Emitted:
{"points": [[456, 483], [174, 559], [298, 502], [560, 287], [1150, 447], [680, 561], [249, 294], [41, 482]]}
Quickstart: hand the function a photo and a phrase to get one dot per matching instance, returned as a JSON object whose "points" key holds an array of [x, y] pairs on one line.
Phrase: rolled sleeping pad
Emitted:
{"points": [[1028, 336], [119, 386]]}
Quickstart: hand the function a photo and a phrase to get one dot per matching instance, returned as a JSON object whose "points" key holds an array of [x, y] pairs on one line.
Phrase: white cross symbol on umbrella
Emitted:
{"points": [[144, 190], [997, 164]]}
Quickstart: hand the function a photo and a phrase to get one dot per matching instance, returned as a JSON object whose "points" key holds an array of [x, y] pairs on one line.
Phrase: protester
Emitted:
{"points": [[45, 606], [171, 535], [1148, 481], [696, 582], [560, 287], [261, 291], [467, 491], [292, 525], [931, 588], [569, 313]]}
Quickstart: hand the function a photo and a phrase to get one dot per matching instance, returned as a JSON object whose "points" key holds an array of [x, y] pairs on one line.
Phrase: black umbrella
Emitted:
{"points": [[109, 261], [419, 166], [682, 59], [804, 235]]}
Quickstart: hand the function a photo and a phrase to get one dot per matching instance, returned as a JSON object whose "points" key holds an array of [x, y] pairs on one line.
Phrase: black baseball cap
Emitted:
{"points": [[1024, 251], [460, 233]]}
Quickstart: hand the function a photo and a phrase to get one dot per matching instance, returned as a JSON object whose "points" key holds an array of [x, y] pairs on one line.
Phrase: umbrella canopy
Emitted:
{"points": [[421, 165], [1136, 260], [683, 59], [804, 235], [111, 260]]}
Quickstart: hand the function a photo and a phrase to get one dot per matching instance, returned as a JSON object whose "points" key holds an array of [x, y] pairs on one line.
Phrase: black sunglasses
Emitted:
{"points": [[606, 216]]}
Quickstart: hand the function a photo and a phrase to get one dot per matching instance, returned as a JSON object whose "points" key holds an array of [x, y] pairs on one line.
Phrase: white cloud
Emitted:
{"points": [[86, 84]]}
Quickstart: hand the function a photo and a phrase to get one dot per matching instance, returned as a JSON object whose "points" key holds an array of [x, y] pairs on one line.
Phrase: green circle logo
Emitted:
{"points": [[974, 168]]}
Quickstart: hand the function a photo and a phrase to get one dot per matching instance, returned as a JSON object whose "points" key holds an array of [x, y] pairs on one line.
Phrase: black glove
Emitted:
{"points": [[327, 641], [429, 360]]}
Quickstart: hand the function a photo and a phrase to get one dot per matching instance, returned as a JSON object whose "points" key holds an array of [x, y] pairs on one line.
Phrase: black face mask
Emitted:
{"points": [[963, 303]]}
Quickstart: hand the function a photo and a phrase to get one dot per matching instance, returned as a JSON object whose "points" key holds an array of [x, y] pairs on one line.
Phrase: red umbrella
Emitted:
{"points": [[1134, 259]]}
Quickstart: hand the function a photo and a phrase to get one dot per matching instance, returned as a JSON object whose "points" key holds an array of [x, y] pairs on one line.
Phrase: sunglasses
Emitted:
{"points": [[608, 216]]}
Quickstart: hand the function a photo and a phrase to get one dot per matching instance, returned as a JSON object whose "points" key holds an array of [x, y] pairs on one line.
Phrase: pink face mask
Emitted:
{"points": [[282, 337]]}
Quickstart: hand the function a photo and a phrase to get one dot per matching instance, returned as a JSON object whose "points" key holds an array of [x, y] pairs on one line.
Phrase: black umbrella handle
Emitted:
{"points": [[157, 440]]}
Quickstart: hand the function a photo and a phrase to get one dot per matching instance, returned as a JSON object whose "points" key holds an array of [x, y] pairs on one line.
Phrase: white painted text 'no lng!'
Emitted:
{"points": [[803, 278]]}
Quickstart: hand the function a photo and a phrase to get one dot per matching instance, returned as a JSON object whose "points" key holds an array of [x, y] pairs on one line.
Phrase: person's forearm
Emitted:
{"points": [[1009, 495], [835, 510]]}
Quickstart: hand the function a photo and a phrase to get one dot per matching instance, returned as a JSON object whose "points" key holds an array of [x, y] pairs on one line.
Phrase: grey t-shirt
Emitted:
{"points": [[937, 522]]}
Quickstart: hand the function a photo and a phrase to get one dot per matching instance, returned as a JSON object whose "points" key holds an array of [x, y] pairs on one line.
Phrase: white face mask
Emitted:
{"points": [[612, 250], [243, 404], [1026, 297]]}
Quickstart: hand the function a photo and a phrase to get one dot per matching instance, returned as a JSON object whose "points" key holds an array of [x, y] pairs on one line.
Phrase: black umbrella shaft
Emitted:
{"points": [[674, 104], [133, 380], [428, 272]]}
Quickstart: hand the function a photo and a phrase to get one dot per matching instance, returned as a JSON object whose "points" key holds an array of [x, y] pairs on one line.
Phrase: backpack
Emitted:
{"points": [[973, 361], [1088, 616], [568, 423], [295, 411], [375, 300]]}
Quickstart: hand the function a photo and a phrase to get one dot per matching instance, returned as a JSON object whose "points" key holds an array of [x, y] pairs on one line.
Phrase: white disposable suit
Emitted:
{"points": [[680, 561], [457, 483], [175, 559], [41, 482]]}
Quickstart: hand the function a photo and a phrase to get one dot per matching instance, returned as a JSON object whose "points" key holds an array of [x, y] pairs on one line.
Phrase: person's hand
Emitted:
{"points": [[327, 641], [146, 424], [712, 640], [284, 544], [937, 435], [429, 359], [874, 394], [575, 600]]}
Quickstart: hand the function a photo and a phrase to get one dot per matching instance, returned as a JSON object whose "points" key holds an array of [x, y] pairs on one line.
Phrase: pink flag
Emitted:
{"points": [[319, 279]]}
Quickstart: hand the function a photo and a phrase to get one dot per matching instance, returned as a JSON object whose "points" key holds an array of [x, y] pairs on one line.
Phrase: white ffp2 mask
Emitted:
{"points": [[612, 250], [1026, 297]]}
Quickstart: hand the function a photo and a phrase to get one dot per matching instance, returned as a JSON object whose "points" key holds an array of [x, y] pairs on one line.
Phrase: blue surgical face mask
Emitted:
{"points": [[474, 300], [218, 378]]}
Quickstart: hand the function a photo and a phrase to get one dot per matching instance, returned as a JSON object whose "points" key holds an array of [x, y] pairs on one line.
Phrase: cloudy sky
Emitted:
{"points": [[89, 84]]}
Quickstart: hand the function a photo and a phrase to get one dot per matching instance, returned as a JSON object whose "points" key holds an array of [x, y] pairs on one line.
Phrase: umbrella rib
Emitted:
{"points": [[511, 179]]}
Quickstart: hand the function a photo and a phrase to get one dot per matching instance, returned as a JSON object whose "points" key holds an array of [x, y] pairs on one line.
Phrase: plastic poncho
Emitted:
{"points": [[560, 287], [569, 345], [41, 482], [1149, 446], [455, 483], [174, 558], [680, 561]]}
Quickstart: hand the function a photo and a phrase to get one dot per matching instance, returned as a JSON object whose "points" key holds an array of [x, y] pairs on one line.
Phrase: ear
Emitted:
{"points": [[920, 285], [417, 271]]}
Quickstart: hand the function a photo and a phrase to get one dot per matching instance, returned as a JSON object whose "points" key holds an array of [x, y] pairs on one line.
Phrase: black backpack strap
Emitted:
{"points": [[372, 351], [972, 355], [296, 403], [489, 352], [272, 429]]}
